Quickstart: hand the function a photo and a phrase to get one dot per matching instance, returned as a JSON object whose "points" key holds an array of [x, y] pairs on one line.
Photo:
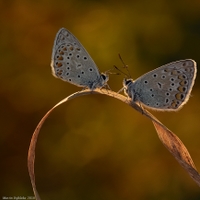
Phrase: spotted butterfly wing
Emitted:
{"points": [[71, 62], [166, 88]]}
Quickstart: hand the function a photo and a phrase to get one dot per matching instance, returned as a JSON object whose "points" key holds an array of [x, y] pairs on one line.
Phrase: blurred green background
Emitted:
{"points": [[94, 147]]}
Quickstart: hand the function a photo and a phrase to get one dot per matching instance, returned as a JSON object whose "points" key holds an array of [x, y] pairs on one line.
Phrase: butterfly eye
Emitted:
{"points": [[127, 81], [104, 77]]}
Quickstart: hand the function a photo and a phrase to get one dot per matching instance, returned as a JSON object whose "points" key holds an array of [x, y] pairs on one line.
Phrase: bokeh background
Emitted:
{"points": [[94, 147]]}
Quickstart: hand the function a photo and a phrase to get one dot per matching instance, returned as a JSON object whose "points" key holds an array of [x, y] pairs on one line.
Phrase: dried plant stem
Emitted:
{"points": [[167, 137]]}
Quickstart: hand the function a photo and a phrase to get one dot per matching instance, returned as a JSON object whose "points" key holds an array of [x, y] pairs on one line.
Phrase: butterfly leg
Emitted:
{"points": [[120, 90], [142, 108]]}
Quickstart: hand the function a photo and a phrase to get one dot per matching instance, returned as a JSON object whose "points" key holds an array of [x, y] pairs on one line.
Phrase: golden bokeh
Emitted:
{"points": [[94, 147]]}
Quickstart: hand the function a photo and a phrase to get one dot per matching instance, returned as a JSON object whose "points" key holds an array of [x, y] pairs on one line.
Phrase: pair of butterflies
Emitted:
{"points": [[166, 88]]}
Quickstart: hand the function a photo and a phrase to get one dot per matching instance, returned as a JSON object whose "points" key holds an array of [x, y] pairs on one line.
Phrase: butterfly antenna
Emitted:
{"points": [[109, 72], [125, 66], [119, 70]]}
